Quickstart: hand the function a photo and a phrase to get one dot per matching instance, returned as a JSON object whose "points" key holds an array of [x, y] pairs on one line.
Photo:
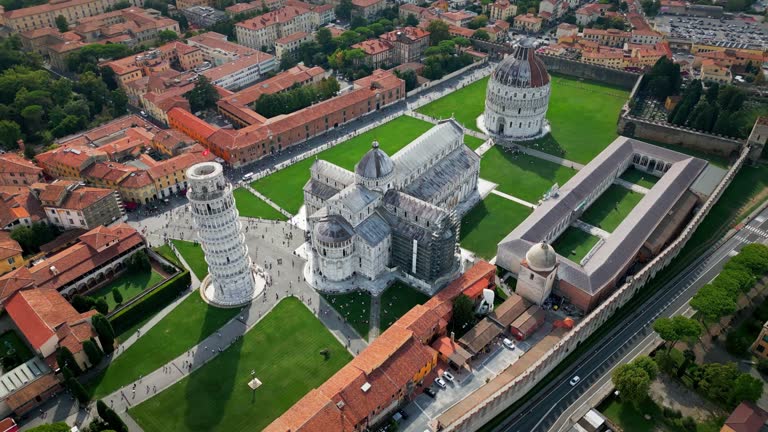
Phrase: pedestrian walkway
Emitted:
{"points": [[548, 157], [515, 199], [375, 320], [591, 229], [267, 200], [484, 147], [631, 186]]}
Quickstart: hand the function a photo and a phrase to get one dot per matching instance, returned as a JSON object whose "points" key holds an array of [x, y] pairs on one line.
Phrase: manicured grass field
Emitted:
{"points": [[249, 205], [166, 252], [489, 222], [194, 256], [396, 301], [575, 244], [190, 322], [129, 284], [465, 105], [520, 175], [472, 142], [10, 342], [640, 178], [285, 186], [632, 419], [355, 307], [608, 211], [283, 350], [577, 134]]}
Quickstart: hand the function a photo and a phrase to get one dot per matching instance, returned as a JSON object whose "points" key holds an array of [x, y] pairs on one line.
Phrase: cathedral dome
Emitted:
{"points": [[541, 257], [333, 230], [521, 69], [375, 164]]}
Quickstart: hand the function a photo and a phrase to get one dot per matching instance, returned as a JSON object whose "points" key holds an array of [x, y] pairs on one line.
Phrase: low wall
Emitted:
{"points": [[476, 65], [564, 66], [669, 134], [511, 392]]}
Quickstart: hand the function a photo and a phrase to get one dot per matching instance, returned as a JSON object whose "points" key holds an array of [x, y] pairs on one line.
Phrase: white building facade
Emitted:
{"points": [[231, 280], [517, 98]]}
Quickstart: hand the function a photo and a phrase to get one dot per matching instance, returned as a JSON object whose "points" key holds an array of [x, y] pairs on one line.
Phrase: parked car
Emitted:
{"points": [[429, 392], [439, 381], [403, 413], [575, 380], [508, 343], [447, 375]]}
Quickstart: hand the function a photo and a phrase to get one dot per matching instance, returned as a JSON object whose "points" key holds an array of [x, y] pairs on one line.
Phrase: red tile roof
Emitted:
{"points": [[373, 46], [13, 163], [38, 313], [747, 417]]}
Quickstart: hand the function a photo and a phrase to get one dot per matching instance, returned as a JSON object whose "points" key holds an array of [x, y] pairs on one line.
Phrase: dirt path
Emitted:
{"points": [[668, 392]]}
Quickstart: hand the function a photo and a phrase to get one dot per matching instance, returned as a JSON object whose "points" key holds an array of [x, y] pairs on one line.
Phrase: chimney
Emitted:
{"points": [[453, 337]]}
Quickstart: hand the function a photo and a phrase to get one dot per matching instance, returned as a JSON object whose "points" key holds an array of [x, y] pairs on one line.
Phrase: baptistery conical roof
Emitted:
{"points": [[522, 69], [375, 163]]}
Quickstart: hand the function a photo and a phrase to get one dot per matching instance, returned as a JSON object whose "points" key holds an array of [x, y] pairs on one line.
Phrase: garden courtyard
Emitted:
{"points": [[216, 397], [129, 285]]}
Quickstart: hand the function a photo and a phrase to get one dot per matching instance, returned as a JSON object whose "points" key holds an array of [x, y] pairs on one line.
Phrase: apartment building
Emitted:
{"points": [[501, 10], [217, 49], [17, 171], [289, 45], [185, 4], [378, 52], [611, 37], [368, 8], [70, 204], [204, 16], [262, 31], [529, 23], [41, 16], [132, 26], [409, 43], [713, 72]]}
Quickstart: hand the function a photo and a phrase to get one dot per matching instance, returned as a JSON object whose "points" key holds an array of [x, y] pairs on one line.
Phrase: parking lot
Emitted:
{"points": [[713, 30]]}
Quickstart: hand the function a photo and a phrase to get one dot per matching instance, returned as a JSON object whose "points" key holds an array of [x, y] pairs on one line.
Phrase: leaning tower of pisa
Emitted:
{"points": [[231, 280]]}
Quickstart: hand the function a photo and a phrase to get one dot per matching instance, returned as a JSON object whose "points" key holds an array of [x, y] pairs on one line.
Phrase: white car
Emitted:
{"points": [[575, 380], [508, 343], [440, 383], [448, 376], [143, 113]]}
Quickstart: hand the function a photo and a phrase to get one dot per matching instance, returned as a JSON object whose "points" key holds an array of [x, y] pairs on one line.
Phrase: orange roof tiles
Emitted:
{"points": [[8, 246], [37, 314], [13, 163], [283, 14], [373, 46]]}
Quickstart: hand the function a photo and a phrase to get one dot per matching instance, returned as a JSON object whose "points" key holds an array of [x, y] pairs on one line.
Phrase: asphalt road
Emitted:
{"points": [[541, 411]]}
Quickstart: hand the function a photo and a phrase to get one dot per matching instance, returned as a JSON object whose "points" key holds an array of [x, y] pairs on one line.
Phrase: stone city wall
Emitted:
{"points": [[476, 65], [579, 69], [685, 137], [511, 392]]}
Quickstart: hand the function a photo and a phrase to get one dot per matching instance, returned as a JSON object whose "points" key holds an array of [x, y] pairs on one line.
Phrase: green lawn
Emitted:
{"points": [[472, 142], [190, 322], [194, 256], [632, 419], [577, 134], [489, 222], [249, 205], [396, 301], [283, 350], [465, 105], [166, 252], [640, 178], [575, 244], [129, 284], [608, 211], [11, 343], [285, 186], [355, 307], [520, 175]]}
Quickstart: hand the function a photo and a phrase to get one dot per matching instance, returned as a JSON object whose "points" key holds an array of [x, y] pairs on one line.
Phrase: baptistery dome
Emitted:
{"points": [[517, 98]]}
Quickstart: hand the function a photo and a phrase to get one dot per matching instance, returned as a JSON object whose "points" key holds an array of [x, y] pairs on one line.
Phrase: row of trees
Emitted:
{"points": [[716, 109], [445, 58], [270, 105], [32, 237], [718, 298]]}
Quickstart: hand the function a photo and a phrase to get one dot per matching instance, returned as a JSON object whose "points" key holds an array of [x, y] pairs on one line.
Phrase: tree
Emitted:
{"points": [[478, 22], [753, 257], [688, 357], [33, 118], [64, 358], [10, 134], [648, 365], [746, 388], [53, 427], [713, 302], [62, 24], [664, 79], [119, 102], [411, 20], [632, 382], [110, 417], [32, 237], [117, 296], [344, 9], [92, 350], [82, 303], [463, 316], [78, 391], [324, 38], [101, 305], [674, 329], [438, 32], [481, 34], [409, 76], [139, 261], [167, 36], [203, 96], [106, 333]]}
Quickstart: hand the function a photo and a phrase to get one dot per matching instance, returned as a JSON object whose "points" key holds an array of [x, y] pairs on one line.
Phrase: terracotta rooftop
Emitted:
{"points": [[13, 163], [8, 246], [268, 19], [365, 3], [373, 46], [747, 417], [292, 38]]}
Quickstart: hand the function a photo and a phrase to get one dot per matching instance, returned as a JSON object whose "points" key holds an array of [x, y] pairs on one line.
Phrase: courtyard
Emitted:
{"points": [[638, 177], [396, 301], [489, 222], [355, 307], [129, 284], [249, 205], [216, 397], [574, 244], [610, 209]]}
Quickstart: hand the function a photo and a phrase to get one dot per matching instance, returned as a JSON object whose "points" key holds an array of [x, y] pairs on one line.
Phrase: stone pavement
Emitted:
{"points": [[515, 199], [375, 320], [267, 200], [631, 186], [590, 229]]}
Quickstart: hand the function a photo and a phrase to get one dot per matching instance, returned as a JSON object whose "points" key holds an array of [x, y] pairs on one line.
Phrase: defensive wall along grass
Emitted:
{"points": [[284, 351]]}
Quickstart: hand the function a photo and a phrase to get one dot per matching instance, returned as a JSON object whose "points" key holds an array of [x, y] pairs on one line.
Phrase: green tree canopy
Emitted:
{"points": [[677, 328], [203, 96], [438, 32]]}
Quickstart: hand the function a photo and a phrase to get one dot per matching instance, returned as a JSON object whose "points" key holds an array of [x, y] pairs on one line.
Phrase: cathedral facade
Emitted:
{"points": [[397, 214]]}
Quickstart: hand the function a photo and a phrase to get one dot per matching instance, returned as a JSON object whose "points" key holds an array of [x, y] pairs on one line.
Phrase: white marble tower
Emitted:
{"points": [[231, 280]]}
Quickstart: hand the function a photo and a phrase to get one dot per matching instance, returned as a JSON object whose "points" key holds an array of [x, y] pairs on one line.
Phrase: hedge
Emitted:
{"points": [[151, 303]]}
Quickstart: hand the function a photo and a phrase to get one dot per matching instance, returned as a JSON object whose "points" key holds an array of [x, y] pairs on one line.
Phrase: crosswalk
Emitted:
{"points": [[748, 230]]}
